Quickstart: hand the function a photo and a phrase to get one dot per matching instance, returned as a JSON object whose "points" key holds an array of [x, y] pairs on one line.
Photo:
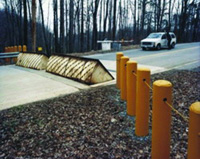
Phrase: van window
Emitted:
{"points": [[164, 36], [172, 35]]}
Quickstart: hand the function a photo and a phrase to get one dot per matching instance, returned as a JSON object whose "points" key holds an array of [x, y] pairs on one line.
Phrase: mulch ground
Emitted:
{"points": [[92, 124]]}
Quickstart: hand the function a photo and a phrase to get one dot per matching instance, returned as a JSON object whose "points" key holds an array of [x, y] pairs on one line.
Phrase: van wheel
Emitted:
{"points": [[143, 48], [173, 45], [158, 47]]}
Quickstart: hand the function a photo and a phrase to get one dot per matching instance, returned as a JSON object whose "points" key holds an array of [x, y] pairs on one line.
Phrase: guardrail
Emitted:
{"points": [[11, 53], [8, 58], [134, 85]]}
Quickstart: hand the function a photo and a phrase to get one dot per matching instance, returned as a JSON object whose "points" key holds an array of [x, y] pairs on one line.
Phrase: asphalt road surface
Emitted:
{"points": [[183, 56]]}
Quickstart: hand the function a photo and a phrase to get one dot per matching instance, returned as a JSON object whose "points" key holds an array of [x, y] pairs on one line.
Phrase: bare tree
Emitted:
{"points": [[94, 35], [71, 24], [33, 25], [25, 23], [55, 19], [62, 33]]}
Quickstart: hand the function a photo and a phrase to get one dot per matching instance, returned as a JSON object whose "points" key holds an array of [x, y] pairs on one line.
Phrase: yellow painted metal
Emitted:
{"points": [[24, 48], [161, 120], [8, 49], [30, 60], [5, 49], [15, 49], [131, 87], [142, 102], [194, 132], [118, 57], [19, 48], [85, 70], [123, 61], [11, 49], [39, 49]]}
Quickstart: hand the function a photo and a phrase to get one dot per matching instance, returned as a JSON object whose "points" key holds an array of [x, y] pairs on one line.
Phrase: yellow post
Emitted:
{"points": [[8, 49], [24, 48], [12, 49], [5, 49], [142, 102], [40, 49], [15, 49], [19, 48], [123, 61], [161, 120], [131, 71], [118, 57], [194, 132]]}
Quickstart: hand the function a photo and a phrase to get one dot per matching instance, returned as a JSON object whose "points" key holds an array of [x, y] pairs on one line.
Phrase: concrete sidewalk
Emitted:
{"points": [[20, 85]]}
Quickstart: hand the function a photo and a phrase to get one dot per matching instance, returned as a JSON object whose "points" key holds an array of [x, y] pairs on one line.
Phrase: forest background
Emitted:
{"points": [[76, 25]]}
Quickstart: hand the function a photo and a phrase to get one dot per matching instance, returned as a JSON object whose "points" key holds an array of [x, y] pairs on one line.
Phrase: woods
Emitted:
{"points": [[76, 25]]}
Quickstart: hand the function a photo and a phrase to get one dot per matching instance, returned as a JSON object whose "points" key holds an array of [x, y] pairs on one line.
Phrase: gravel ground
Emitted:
{"points": [[92, 124]]}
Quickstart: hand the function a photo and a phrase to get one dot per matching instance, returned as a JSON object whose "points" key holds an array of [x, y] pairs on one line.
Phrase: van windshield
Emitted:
{"points": [[154, 35]]}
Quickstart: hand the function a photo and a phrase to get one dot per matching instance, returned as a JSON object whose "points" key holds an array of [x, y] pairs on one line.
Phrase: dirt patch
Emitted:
{"points": [[92, 124]]}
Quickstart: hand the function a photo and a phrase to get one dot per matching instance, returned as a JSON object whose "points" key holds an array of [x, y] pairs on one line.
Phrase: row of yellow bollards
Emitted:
{"points": [[16, 48], [134, 88]]}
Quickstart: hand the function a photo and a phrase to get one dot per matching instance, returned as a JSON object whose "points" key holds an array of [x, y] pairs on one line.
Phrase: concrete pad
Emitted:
{"points": [[111, 66], [20, 86]]}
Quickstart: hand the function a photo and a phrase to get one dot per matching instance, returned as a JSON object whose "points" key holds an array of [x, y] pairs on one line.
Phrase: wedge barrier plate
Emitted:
{"points": [[90, 71], [32, 60]]}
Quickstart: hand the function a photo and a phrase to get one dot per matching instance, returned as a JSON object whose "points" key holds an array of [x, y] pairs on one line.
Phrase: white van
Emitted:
{"points": [[158, 41]]}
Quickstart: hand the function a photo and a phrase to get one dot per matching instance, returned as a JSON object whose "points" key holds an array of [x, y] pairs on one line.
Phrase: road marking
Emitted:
{"points": [[165, 53], [185, 64]]}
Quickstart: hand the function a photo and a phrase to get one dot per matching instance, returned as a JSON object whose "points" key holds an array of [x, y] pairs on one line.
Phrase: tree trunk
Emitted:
{"points": [[55, 19], [25, 23], [43, 28], [105, 20], [114, 20], [82, 27], [71, 25], [94, 35], [34, 25], [62, 33]]}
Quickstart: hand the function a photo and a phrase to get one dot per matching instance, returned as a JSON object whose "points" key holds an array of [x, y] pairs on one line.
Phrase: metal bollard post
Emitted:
{"points": [[142, 102], [19, 48], [24, 48], [118, 57], [8, 49], [15, 49], [123, 61], [194, 132], [12, 49], [131, 72], [161, 120]]}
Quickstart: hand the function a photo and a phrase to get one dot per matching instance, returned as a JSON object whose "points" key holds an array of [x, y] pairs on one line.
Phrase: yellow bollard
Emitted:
{"points": [[5, 49], [118, 57], [8, 49], [24, 48], [19, 48], [161, 119], [142, 102], [194, 132], [11, 49], [131, 71], [123, 61], [39, 49], [15, 49]]}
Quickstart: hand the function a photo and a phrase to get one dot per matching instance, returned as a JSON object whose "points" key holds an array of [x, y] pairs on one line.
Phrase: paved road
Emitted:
{"points": [[184, 56], [20, 85]]}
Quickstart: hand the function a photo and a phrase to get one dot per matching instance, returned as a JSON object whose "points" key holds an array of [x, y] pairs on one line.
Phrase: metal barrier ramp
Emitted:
{"points": [[32, 60], [86, 70]]}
